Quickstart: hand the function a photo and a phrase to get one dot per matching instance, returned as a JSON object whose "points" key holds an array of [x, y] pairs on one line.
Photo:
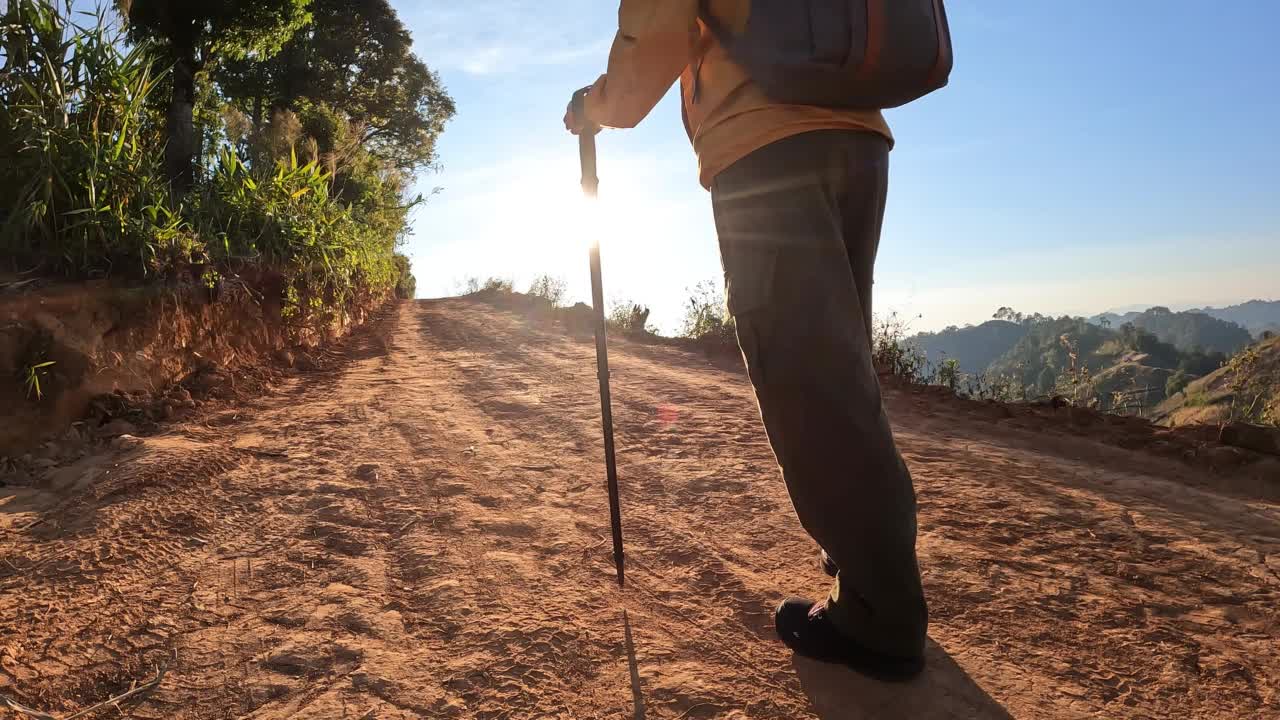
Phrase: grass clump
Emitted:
{"points": [[630, 318], [707, 319]]}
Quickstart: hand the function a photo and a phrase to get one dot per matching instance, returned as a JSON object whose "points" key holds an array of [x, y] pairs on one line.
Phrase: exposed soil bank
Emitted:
{"points": [[86, 340]]}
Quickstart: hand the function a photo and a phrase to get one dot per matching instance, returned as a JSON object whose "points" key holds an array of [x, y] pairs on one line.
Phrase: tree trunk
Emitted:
{"points": [[179, 152]]}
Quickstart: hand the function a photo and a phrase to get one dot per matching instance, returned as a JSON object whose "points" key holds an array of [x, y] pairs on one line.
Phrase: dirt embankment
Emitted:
{"points": [[70, 351], [421, 531]]}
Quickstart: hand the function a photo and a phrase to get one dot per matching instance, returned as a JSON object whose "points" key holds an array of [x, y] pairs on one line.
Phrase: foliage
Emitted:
{"points": [[302, 195], [1255, 390], [1067, 347], [948, 374], [83, 190], [1008, 314], [1245, 389], [1193, 331], [1177, 382], [1197, 399], [551, 289], [706, 318], [1164, 355], [191, 37], [898, 355], [31, 378], [287, 219], [974, 348], [989, 386], [489, 286], [406, 284], [893, 353], [217, 28], [630, 318], [355, 57]]}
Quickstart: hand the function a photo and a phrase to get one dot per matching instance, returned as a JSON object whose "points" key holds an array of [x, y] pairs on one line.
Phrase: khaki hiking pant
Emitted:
{"points": [[799, 225]]}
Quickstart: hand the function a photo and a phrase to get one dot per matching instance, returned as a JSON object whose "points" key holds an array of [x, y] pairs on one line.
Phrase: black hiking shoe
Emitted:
{"points": [[804, 627], [828, 565]]}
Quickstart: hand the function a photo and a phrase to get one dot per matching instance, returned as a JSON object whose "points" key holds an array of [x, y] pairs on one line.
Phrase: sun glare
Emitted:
{"points": [[545, 225]]}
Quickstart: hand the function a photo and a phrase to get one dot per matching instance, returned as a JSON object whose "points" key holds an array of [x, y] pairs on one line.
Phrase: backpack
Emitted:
{"points": [[855, 54]]}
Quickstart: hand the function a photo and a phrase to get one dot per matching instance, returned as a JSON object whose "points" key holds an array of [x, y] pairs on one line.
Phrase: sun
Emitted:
{"points": [[544, 225]]}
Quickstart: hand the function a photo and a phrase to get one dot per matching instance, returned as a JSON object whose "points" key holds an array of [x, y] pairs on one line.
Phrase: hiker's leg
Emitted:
{"points": [[862, 206], [803, 334], [862, 211]]}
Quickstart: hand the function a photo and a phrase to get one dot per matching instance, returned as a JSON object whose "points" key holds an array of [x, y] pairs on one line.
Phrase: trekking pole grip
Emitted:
{"points": [[586, 143]]}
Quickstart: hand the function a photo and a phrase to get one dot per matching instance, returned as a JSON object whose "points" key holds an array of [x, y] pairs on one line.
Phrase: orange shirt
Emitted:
{"points": [[660, 40]]}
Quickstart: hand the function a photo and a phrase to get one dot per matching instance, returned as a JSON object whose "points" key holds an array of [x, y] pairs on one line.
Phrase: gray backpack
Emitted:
{"points": [[860, 54]]}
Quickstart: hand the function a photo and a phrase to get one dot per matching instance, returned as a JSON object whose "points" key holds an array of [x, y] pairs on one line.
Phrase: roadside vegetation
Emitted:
{"points": [[270, 143]]}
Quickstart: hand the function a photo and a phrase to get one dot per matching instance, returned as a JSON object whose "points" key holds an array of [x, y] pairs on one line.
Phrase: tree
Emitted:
{"points": [[192, 35], [1008, 314], [357, 57]]}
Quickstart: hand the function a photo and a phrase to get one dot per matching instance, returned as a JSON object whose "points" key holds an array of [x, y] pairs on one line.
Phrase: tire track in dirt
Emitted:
{"points": [[427, 532]]}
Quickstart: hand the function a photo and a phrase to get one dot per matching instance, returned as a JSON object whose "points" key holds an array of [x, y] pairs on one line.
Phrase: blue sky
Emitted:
{"points": [[1086, 156]]}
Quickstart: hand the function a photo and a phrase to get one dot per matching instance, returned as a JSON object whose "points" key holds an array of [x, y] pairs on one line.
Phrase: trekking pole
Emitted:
{"points": [[590, 185]]}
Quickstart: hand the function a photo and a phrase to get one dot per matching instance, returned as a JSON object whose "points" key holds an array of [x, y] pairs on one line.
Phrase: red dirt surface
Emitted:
{"points": [[422, 531]]}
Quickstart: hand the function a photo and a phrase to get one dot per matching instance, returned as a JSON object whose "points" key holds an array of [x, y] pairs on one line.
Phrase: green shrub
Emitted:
{"points": [[1197, 399], [892, 352], [706, 318], [489, 286], [80, 150], [497, 286], [1254, 389], [287, 219], [948, 374], [630, 318], [1176, 383], [551, 289], [406, 283]]}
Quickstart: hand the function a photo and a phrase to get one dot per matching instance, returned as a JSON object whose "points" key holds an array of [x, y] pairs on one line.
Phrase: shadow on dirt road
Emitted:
{"points": [[944, 690]]}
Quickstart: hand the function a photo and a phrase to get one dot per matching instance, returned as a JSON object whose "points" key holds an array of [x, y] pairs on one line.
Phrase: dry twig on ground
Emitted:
{"points": [[131, 693]]}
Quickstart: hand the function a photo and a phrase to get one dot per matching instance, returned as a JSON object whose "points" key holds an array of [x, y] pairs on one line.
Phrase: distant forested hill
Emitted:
{"points": [[974, 347], [1256, 316], [1188, 330], [1138, 357], [1193, 330], [1115, 360]]}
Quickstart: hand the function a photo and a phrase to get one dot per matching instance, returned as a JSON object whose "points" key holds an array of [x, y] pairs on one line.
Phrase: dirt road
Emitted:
{"points": [[422, 532]]}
